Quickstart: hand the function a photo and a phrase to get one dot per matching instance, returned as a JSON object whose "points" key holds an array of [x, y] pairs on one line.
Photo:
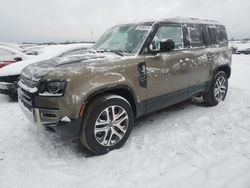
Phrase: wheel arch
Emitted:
{"points": [[224, 68], [121, 90]]}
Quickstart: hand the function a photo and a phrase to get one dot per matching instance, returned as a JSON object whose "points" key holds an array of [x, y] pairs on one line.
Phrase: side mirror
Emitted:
{"points": [[18, 59], [167, 45], [164, 45]]}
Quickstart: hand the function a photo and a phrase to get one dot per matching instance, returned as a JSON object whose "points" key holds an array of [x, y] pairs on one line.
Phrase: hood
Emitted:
{"points": [[68, 64]]}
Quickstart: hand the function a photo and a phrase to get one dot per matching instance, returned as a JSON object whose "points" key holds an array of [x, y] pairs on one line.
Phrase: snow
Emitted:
{"points": [[16, 52], [239, 45], [12, 46], [48, 53], [184, 146], [66, 119], [47, 94], [35, 49], [26, 88]]}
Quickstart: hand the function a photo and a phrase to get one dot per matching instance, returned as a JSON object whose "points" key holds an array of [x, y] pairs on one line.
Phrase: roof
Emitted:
{"points": [[183, 20], [191, 20]]}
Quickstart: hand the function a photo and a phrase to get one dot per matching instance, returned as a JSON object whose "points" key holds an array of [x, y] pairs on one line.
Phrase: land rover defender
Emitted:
{"points": [[132, 70]]}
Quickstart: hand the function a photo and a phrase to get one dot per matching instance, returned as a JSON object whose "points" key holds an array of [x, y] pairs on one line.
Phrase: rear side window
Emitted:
{"points": [[214, 34], [196, 38], [218, 35], [206, 36], [222, 35]]}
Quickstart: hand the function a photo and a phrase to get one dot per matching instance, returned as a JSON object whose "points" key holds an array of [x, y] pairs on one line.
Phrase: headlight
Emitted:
{"points": [[52, 88]]}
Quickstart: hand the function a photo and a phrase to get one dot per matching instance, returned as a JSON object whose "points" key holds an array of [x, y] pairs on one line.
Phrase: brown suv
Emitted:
{"points": [[133, 69]]}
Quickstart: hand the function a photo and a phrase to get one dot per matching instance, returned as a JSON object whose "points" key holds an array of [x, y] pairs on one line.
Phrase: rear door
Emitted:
{"points": [[168, 72], [200, 64]]}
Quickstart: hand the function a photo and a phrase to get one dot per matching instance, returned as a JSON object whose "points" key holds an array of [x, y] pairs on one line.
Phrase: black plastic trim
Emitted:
{"points": [[166, 100], [68, 129], [142, 74]]}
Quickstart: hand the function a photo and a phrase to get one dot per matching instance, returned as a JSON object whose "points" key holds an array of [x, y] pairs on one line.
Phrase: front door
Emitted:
{"points": [[167, 73]]}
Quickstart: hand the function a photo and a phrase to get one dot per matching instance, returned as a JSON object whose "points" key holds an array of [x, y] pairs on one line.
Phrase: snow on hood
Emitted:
{"points": [[49, 53], [70, 63]]}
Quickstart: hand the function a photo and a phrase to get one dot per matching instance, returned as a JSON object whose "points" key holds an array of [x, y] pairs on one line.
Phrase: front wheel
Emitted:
{"points": [[107, 124], [218, 89]]}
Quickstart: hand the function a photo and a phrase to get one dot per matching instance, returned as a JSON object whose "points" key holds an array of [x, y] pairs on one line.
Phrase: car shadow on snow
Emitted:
{"points": [[63, 144], [195, 101], [8, 99]]}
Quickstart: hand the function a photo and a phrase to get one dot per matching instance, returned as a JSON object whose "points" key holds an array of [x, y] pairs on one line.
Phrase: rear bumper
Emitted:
{"points": [[50, 118]]}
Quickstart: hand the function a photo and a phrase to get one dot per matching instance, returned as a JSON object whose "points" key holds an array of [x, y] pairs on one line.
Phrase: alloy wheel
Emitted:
{"points": [[111, 125], [220, 88]]}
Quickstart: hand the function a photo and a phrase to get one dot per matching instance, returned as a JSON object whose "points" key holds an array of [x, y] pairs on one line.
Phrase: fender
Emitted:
{"points": [[108, 82]]}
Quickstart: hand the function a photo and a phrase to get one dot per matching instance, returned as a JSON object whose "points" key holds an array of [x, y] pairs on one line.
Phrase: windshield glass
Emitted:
{"points": [[123, 39]]}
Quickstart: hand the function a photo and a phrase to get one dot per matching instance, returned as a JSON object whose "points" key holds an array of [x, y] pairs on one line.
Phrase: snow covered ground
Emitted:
{"points": [[239, 45], [185, 146]]}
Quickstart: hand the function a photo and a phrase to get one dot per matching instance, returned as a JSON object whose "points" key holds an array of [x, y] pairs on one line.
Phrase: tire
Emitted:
{"points": [[107, 124], [218, 89]]}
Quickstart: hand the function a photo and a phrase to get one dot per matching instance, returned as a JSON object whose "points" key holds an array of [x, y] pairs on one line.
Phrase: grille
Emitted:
{"points": [[25, 97], [23, 94]]}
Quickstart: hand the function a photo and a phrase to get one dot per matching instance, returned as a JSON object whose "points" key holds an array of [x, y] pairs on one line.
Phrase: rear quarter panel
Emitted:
{"points": [[222, 56]]}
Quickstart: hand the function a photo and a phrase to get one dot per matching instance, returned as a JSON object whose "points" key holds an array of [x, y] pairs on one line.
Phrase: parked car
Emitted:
{"points": [[234, 50], [9, 55], [9, 75], [35, 49], [16, 47], [133, 69], [243, 51]]}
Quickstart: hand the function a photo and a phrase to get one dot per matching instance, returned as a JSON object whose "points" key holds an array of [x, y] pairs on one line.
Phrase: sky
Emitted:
{"points": [[86, 20]]}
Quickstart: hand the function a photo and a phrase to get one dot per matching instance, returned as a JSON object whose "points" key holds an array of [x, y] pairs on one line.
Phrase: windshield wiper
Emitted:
{"points": [[115, 52]]}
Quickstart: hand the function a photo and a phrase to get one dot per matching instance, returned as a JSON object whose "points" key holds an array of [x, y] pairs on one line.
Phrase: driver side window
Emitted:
{"points": [[168, 32]]}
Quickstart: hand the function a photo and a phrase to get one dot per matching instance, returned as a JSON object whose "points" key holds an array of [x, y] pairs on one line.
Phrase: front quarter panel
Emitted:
{"points": [[99, 79]]}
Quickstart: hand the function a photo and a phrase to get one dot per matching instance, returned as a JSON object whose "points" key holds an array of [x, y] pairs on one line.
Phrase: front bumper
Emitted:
{"points": [[8, 88], [49, 118]]}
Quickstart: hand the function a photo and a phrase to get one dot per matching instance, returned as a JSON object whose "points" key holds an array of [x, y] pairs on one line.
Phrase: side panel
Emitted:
{"points": [[221, 56], [168, 79], [200, 70]]}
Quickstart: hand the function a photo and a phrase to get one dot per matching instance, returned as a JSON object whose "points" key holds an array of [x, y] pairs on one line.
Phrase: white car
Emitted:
{"points": [[9, 75], [16, 47], [9, 56], [35, 49]]}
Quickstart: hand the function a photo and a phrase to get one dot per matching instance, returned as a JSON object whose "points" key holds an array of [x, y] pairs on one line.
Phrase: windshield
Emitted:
{"points": [[123, 39]]}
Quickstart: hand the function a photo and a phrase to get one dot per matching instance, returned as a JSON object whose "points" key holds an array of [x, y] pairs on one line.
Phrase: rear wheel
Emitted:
{"points": [[218, 89], [107, 124]]}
